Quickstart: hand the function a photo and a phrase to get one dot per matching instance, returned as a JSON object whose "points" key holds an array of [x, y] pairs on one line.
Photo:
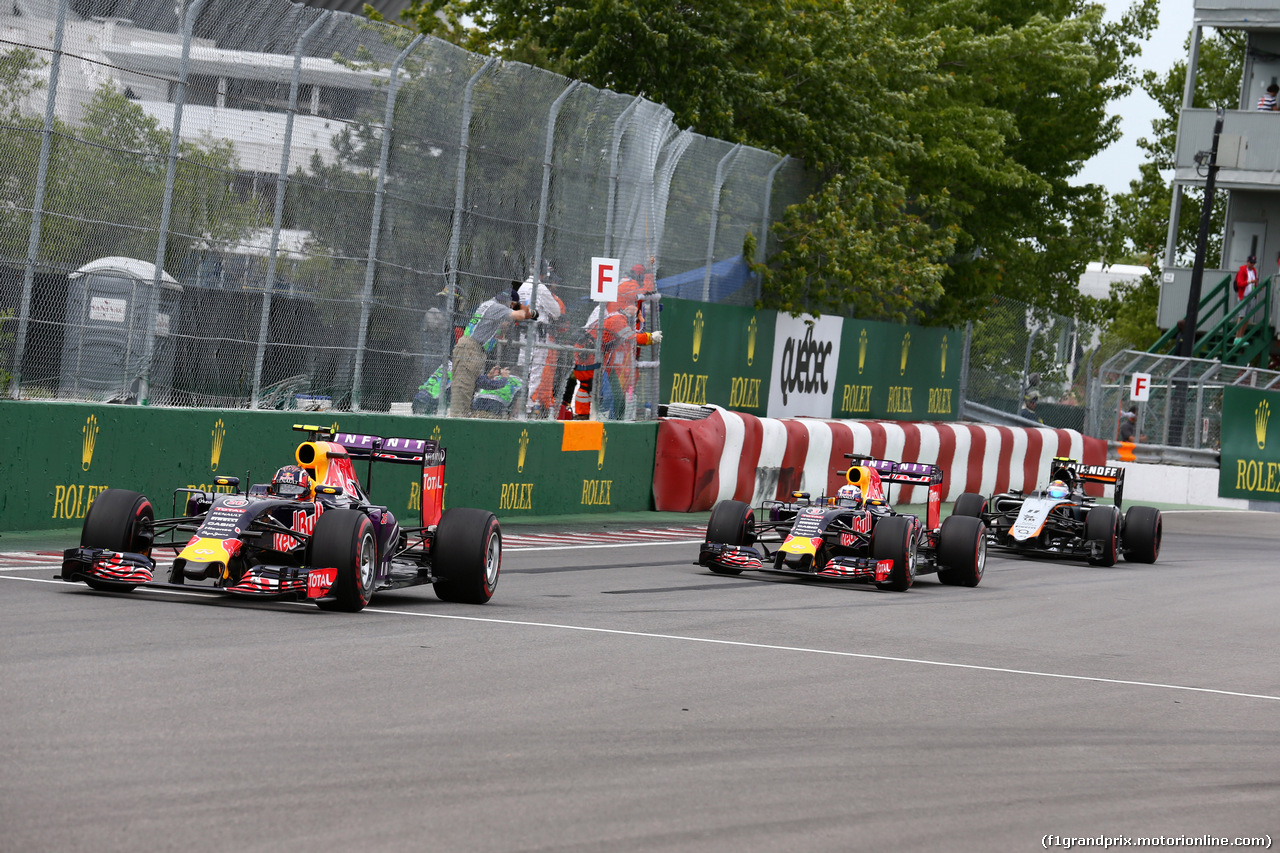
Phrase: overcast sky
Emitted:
{"points": [[1118, 165]]}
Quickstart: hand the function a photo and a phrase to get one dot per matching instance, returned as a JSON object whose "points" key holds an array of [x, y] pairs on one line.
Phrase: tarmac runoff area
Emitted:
{"points": [[618, 697]]}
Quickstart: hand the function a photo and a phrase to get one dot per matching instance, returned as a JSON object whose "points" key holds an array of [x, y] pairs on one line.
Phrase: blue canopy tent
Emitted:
{"points": [[728, 277]]}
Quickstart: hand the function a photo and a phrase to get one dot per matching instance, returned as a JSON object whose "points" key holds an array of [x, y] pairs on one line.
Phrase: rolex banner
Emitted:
{"points": [[902, 373], [771, 364], [716, 354], [1249, 465]]}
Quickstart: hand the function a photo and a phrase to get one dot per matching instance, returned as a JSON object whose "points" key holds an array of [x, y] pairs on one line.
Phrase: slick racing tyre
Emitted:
{"points": [[118, 520], [970, 504], [1102, 524], [731, 523], [343, 539], [894, 539], [467, 555], [962, 551], [1143, 529]]}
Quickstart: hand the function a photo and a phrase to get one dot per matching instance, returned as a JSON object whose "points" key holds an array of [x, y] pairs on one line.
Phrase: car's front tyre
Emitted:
{"points": [[894, 539], [731, 523], [118, 520], [1102, 524], [343, 539]]}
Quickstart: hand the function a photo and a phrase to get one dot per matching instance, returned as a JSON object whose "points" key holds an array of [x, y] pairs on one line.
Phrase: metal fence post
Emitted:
{"points": [[766, 218], [619, 122], [543, 202], [367, 296], [715, 219], [37, 206], [166, 208], [964, 369], [455, 234], [282, 182]]}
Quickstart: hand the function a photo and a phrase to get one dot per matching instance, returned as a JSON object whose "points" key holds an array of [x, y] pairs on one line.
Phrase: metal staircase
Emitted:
{"points": [[1221, 342]]}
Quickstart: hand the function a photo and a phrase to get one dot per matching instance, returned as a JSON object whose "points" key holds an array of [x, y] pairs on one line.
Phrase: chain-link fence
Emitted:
{"points": [[219, 203], [1028, 362], [1184, 408]]}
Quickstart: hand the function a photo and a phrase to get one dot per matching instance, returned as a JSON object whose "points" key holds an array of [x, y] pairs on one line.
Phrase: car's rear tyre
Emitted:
{"points": [[343, 539], [731, 523], [962, 551], [467, 555], [1102, 524], [118, 520], [1143, 530], [894, 539], [970, 504]]}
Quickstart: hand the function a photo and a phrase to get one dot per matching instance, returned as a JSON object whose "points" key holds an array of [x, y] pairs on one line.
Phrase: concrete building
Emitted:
{"points": [[1248, 158]]}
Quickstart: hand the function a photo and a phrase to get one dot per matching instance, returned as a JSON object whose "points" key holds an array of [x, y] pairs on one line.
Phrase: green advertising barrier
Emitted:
{"points": [[61, 455], [716, 354], [905, 373], [1249, 465], [725, 355]]}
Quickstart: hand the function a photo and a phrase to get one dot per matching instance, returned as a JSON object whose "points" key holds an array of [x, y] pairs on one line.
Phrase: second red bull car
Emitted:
{"points": [[854, 535], [313, 533]]}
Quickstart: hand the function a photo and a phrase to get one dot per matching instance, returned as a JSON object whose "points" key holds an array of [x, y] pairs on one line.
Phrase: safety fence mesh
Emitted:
{"points": [[220, 203]]}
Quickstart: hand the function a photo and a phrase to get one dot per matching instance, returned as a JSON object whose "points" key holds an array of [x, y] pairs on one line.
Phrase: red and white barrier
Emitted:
{"points": [[739, 456]]}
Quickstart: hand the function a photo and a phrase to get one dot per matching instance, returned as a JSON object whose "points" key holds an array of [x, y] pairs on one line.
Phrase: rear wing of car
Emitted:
{"points": [[1071, 471], [426, 453], [908, 474]]}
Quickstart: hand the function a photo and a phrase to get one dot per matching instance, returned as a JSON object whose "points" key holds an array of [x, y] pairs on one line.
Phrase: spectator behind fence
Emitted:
{"points": [[478, 340], [1028, 409], [1128, 425], [1268, 102]]}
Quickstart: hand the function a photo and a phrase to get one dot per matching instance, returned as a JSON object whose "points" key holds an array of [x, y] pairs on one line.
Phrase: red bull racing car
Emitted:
{"points": [[1061, 520], [313, 533], [854, 535]]}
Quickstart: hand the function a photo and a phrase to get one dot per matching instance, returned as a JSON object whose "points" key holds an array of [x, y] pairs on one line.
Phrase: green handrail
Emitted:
{"points": [[1220, 342], [1164, 343]]}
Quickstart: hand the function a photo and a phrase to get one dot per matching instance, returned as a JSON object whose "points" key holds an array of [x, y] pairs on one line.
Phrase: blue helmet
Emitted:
{"points": [[1058, 489]]}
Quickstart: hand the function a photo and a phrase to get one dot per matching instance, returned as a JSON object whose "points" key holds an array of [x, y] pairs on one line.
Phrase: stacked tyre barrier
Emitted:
{"points": [[730, 455]]}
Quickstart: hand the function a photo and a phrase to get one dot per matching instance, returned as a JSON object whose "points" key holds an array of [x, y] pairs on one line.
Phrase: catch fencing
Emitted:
{"points": [[264, 205]]}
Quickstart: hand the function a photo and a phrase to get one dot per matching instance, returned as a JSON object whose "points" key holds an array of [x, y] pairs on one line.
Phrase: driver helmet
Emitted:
{"points": [[1058, 489], [292, 482], [849, 495]]}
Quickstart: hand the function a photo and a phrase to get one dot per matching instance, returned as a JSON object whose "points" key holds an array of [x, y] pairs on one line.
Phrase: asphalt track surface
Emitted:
{"points": [[619, 698]]}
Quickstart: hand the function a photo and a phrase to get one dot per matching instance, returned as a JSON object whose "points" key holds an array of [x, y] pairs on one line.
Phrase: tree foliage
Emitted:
{"points": [[944, 135]]}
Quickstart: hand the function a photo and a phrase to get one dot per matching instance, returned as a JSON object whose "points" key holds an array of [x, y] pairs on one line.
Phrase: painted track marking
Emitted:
{"points": [[762, 646]]}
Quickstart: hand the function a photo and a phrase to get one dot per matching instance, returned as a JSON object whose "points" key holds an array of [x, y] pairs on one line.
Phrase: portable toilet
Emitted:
{"points": [[105, 342]]}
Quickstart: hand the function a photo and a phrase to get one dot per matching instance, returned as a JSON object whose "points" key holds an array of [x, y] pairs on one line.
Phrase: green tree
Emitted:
{"points": [[944, 134]]}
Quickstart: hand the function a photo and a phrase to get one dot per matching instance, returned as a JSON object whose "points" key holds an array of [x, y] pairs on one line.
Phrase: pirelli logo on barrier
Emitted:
{"points": [[1249, 464]]}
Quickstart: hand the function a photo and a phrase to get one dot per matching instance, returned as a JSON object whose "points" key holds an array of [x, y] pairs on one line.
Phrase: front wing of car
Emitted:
{"points": [[129, 570], [742, 558]]}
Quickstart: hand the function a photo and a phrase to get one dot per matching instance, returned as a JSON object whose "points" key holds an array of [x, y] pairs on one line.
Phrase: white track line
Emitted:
{"points": [[766, 646]]}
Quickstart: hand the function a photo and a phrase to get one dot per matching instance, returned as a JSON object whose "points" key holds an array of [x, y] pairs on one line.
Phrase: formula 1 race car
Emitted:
{"points": [[312, 533], [854, 535], [1062, 520]]}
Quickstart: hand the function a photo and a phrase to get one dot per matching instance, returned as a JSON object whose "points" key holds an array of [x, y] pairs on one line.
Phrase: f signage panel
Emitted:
{"points": [[1140, 387], [604, 279]]}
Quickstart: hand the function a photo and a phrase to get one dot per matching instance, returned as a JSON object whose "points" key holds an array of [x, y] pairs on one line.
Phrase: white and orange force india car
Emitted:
{"points": [[334, 547], [1061, 520], [837, 540]]}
